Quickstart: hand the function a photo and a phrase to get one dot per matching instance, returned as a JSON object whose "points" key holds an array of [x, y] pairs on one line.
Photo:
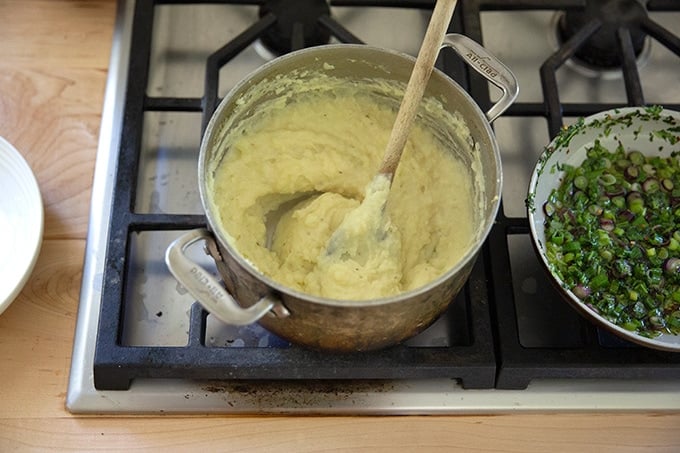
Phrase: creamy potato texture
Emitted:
{"points": [[309, 159]]}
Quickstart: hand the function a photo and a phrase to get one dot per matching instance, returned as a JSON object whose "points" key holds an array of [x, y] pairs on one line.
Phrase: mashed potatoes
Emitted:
{"points": [[309, 161]]}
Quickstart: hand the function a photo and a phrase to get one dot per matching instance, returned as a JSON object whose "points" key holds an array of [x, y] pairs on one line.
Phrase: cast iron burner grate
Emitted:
{"points": [[601, 49], [296, 27], [483, 347]]}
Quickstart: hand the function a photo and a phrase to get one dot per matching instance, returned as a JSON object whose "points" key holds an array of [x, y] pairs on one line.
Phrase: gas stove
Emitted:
{"points": [[507, 343]]}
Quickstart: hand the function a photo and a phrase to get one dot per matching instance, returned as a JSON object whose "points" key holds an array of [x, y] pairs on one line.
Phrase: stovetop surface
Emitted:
{"points": [[507, 343]]}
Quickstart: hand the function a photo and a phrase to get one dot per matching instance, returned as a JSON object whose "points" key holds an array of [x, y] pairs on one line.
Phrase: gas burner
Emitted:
{"points": [[599, 55], [297, 25]]}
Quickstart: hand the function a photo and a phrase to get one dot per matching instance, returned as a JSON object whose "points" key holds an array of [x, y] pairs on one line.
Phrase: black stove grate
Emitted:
{"points": [[599, 354], [483, 351]]}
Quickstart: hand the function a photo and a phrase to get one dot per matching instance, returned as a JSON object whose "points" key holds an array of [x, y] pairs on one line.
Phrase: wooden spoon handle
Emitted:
{"points": [[427, 56]]}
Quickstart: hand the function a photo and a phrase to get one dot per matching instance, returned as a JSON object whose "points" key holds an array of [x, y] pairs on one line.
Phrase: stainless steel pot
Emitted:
{"points": [[328, 324]]}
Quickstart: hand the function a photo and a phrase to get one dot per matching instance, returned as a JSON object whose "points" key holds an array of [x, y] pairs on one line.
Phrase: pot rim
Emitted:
{"points": [[213, 224]]}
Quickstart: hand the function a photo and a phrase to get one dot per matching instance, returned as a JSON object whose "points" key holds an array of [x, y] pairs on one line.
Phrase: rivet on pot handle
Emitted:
{"points": [[205, 288], [488, 66]]}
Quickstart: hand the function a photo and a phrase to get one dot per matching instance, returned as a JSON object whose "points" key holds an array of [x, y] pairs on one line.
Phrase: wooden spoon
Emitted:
{"points": [[427, 56], [366, 225]]}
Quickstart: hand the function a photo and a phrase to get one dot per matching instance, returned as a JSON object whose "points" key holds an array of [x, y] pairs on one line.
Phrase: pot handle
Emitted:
{"points": [[207, 290], [488, 66]]}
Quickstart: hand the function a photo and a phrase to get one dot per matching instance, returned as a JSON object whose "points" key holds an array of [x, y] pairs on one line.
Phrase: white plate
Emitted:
{"points": [[21, 222]]}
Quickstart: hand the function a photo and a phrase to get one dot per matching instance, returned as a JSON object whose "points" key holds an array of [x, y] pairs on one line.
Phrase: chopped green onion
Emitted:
{"points": [[614, 239]]}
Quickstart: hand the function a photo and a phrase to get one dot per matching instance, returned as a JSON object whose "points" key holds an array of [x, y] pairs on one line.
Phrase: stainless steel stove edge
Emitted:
{"points": [[431, 397], [81, 383]]}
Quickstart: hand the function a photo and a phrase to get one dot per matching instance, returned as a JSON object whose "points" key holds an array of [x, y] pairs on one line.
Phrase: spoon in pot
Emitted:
{"points": [[427, 56], [365, 223]]}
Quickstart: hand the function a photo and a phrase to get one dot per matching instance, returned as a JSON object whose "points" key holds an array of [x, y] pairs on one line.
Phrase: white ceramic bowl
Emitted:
{"points": [[635, 128], [21, 223]]}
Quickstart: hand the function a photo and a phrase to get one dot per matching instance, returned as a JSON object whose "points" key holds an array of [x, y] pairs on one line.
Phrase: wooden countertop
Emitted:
{"points": [[53, 66]]}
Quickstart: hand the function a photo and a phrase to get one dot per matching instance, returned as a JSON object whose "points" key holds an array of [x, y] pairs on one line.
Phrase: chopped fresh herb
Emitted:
{"points": [[613, 236]]}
